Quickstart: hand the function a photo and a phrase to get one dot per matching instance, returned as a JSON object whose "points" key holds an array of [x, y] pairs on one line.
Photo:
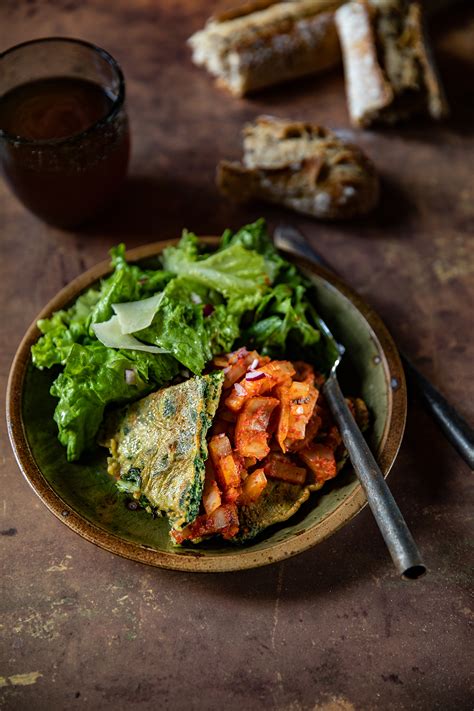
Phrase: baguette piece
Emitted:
{"points": [[265, 42], [301, 166], [390, 73]]}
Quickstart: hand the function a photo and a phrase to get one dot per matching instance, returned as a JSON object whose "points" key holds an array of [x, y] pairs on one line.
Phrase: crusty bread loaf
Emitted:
{"points": [[301, 166], [265, 42], [389, 70]]}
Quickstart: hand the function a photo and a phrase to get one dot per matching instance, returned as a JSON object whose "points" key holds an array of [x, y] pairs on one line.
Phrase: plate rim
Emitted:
{"points": [[186, 559]]}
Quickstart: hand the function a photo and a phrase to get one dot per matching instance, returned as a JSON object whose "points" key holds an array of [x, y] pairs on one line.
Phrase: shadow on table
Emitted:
{"points": [[456, 71], [151, 208], [395, 209], [280, 97]]}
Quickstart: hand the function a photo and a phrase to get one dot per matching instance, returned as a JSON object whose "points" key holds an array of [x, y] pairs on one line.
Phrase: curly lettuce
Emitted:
{"points": [[243, 293]]}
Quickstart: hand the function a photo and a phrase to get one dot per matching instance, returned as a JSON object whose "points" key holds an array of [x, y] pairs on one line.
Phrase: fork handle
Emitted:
{"points": [[397, 537], [456, 429]]}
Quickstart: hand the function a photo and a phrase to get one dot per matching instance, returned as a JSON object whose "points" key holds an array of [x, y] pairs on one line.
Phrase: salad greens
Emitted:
{"points": [[243, 293]]}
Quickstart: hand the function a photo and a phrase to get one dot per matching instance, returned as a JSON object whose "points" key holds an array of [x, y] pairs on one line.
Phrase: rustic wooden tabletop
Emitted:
{"points": [[333, 628]]}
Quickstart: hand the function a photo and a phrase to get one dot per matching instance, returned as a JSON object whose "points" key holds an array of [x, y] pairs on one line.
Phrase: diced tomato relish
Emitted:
{"points": [[272, 423]]}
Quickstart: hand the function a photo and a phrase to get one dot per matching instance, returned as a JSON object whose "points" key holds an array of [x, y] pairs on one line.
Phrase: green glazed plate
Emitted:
{"points": [[84, 497]]}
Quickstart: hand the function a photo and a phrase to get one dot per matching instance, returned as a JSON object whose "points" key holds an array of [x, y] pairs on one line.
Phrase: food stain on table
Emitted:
{"points": [[60, 567], [20, 679]]}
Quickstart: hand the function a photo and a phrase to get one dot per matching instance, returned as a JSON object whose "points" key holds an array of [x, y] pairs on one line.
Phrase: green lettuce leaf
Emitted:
{"points": [[232, 271], [254, 237], [285, 322], [283, 316], [178, 326], [222, 327], [128, 282], [62, 330], [194, 323], [94, 377], [122, 285]]}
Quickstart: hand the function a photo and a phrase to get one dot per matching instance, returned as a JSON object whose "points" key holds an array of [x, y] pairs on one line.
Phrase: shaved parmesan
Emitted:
{"points": [[135, 315], [110, 334]]}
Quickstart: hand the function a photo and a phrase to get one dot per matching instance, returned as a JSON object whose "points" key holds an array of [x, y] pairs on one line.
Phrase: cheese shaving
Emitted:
{"points": [[110, 334], [133, 316]]}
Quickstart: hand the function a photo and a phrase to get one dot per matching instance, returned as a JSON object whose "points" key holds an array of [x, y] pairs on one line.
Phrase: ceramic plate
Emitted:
{"points": [[84, 497]]}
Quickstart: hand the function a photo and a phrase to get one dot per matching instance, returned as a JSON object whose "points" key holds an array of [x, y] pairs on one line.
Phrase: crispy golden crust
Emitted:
{"points": [[389, 70], [259, 45], [301, 166]]}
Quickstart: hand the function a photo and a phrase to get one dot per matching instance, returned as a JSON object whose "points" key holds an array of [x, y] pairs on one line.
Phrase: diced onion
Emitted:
{"points": [[130, 376], [239, 389], [255, 375]]}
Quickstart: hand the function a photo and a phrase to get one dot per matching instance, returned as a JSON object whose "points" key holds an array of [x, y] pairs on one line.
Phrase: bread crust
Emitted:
{"points": [[245, 8], [264, 43], [302, 166], [389, 70]]}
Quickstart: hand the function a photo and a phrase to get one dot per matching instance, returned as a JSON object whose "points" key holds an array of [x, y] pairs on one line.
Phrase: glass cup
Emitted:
{"points": [[64, 135]]}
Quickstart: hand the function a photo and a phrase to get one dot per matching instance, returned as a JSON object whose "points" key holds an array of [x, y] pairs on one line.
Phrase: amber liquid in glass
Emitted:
{"points": [[70, 165]]}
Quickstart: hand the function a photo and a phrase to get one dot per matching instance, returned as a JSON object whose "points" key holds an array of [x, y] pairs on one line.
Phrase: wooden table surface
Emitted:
{"points": [[333, 628]]}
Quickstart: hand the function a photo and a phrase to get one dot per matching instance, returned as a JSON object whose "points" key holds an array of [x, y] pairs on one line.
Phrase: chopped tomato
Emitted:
{"points": [[259, 382], [231, 495], [252, 487], [303, 396], [235, 371], [223, 520], [312, 429], [279, 370], [250, 462], [219, 447], [320, 460], [226, 466], [246, 389], [283, 394], [227, 474], [240, 464], [279, 466], [211, 496], [241, 362], [251, 436], [271, 412]]}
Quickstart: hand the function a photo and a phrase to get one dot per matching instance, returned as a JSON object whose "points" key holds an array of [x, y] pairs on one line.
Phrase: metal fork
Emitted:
{"points": [[397, 537], [392, 525]]}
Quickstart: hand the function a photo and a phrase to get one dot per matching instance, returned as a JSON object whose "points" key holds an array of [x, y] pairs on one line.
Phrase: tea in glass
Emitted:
{"points": [[64, 136]]}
